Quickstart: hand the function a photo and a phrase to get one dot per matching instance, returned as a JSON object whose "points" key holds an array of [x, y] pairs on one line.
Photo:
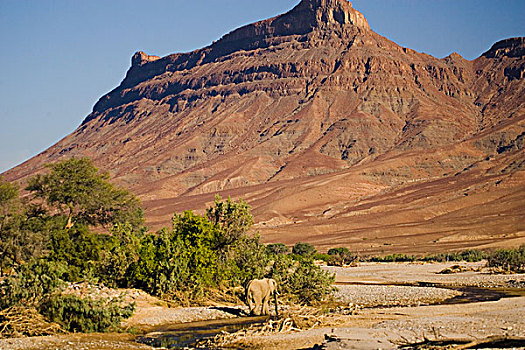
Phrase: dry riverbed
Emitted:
{"points": [[389, 304]]}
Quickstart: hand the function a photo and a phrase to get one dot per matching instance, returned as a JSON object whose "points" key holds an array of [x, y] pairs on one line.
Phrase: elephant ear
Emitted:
{"points": [[273, 285]]}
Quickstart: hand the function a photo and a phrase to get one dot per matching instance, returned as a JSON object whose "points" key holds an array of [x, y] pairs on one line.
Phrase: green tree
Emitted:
{"points": [[304, 249], [8, 199], [198, 236], [79, 191], [341, 256], [277, 248], [23, 228], [117, 258], [233, 218]]}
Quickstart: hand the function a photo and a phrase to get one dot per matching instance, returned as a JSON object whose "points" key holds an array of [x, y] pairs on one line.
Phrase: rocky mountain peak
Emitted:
{"points": [[512, 47], [332, 132], [302, 19], [332, 12]]}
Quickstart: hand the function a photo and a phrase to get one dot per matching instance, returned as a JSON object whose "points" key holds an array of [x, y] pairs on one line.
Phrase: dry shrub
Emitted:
{"points": [[458, 269], [18, 321], [230, 295], [293, 320]]}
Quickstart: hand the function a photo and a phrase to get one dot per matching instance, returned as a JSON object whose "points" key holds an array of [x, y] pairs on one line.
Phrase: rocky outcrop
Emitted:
{"points": [[140, 58], [513, 47]]}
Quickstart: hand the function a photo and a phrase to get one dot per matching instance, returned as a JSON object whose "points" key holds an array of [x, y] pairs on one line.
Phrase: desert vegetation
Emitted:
{"points": [[72, 225], [500, 260], [509, 260], [76, 226]]}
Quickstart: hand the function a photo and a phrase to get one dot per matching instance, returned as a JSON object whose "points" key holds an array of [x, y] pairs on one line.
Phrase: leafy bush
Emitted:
{"points": [[470, 255], [394, 258], [301, 279], [282, 270], [117, 257], [322, 256], [304, 249], [277, 248], [80, 249], [85, 315], [160, 267], [199, 237], [511, 260], [341, 256], [247, 259], [33, 282], [310, 283]]}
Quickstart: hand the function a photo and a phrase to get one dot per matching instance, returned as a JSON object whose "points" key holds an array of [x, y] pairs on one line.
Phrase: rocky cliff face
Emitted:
{"points": [[313, 102]]}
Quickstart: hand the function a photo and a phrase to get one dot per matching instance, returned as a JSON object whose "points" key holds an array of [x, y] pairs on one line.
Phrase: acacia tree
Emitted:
{"points": [[232, 218], [79, 191], [304, 249], [277, 248]]}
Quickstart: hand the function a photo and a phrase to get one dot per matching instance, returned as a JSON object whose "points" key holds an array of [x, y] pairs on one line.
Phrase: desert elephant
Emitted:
{"points": [[258, 295]]}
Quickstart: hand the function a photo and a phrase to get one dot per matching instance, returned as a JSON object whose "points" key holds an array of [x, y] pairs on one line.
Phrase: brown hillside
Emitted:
{"points": [[334, 134]]}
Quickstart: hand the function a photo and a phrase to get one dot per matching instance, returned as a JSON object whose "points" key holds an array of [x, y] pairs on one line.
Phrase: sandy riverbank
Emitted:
{"points": [[392, 314]]}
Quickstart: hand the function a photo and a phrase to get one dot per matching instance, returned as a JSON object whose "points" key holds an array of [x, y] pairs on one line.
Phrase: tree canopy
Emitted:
{"points": [[304, 249], [8, 198], [78, 190], [22, 228], [233, 218]]}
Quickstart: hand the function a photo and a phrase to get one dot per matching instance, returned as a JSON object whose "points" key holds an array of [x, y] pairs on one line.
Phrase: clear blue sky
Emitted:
{"points": [[58, 57]]}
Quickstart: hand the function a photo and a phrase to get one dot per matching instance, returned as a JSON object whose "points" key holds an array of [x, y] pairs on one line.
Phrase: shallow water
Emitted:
{"points": [[188, 334], [475, 295]]}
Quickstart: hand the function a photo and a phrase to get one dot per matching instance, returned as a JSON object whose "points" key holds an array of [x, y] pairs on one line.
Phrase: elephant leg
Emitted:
{"points": [[257, 308], [251, 304], [265, 308]]}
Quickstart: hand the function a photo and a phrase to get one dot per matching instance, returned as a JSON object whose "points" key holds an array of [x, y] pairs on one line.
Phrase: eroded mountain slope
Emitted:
{"points": [[310, 116]]}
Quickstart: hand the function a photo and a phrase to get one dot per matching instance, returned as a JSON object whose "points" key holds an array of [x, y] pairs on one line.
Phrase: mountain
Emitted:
{"points": [[334, 134]]}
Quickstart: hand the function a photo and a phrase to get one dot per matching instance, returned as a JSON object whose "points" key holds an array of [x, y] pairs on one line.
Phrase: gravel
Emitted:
{"points": [[157, 316], [411, 273], [70, 342], [378, 295]]}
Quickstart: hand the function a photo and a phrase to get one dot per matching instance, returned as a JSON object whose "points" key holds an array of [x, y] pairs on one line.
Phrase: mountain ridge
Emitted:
{"points": [[314, 100]]}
